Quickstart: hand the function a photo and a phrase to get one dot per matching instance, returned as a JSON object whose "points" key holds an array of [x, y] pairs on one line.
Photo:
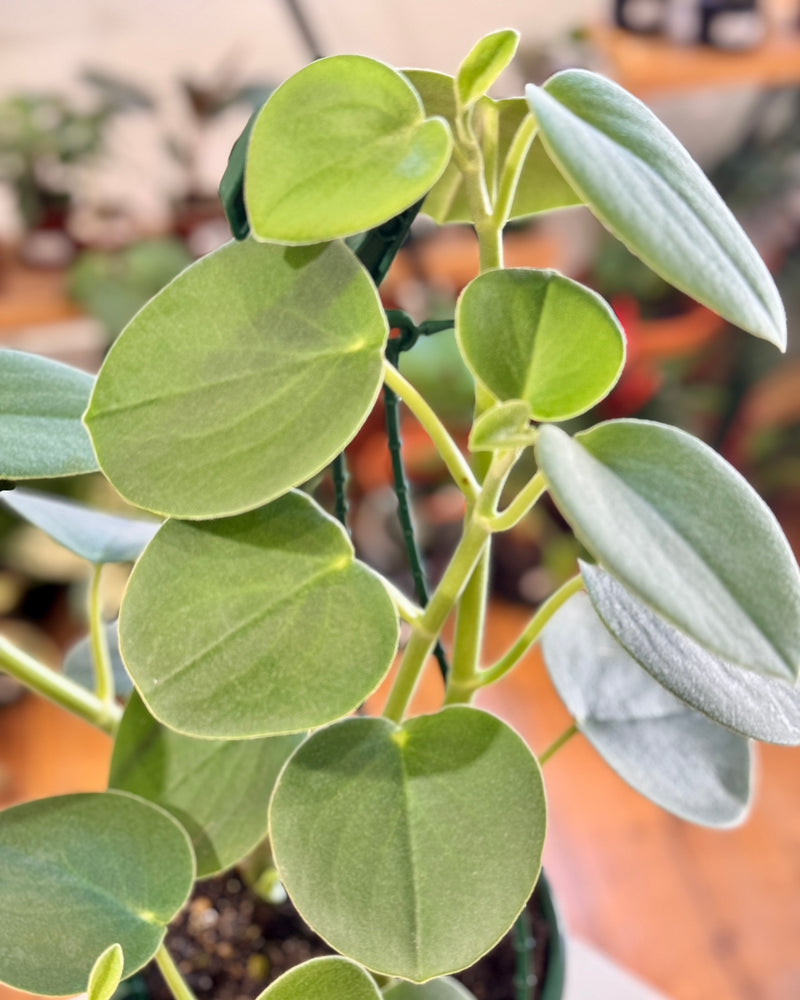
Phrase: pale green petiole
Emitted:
{"points": [[178, 986], [521, 504], [101, 659], [557, 743], [512, 168]]}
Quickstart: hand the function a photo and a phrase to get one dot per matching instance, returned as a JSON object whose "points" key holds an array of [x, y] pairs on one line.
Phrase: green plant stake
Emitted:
{"points": [[251, 631]]}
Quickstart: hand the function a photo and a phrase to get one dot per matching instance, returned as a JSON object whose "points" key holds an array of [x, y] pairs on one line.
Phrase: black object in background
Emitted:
{"points": [[731, 24], [646, 17]]}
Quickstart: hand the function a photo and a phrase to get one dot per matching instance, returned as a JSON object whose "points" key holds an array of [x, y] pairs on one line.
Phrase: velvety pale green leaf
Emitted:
{"points": [[444, 988], [255, 625], [671, 754], [484, 63], [541, 186], [682, 530], [79, 665], [538, 336], [218, 789], [79, 873], [92, 534], [646, 189], [41, 402], [340, 147], [504, 425], [764, 708], [244, 377], [106, 974], [328, 978], [381, 833]]}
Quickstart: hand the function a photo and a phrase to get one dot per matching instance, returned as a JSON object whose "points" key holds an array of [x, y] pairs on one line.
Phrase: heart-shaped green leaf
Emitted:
{"points": [[444, 988], [217, 789], [504, 425], [106, 974], [381, 833], [764, 708], [79, 662], [671, 754], [646, 189], [82, 872], [485, 61], [255, 625], [91, 534], [340, 147], [538, 336], [681, 529], [541, 186], [41, 402], [331, 977], [242, 378]]}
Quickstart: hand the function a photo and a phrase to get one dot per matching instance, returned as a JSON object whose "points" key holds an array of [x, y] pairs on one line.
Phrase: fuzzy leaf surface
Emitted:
{"points": [[340, 147], [255, 625], [91, 534], [79, 873], [647, 190], [540, 337], [243, 378], [41, 402], [382, 832], [684, 532], [106, 974], [331, 977], [504, 425], [665, 750], [764, 708], [443, 988], [485, 61], [217, 789]]}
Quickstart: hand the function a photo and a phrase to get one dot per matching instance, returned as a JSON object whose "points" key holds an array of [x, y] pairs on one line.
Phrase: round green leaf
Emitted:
{"points": [[671, 754], [106, 974], [381, 833], [242, 378], [91, 534], [217, 789], [79, 873], [340, 147], [444, 988], [540, 187], [646, 189], [540, 337], [41, 402], [485, 61], [331, 978], [79, 662], [764, 708], [504, 425], [682, 530], [255, 625]]}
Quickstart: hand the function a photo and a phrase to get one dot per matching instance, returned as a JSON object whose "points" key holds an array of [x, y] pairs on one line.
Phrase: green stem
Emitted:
{"points": [[437, 432], [406, 608], [469, 630], [531, 633], [512, 168], [58, 688], [178, 986], [101, 659], [557, 743], [521, 504]]}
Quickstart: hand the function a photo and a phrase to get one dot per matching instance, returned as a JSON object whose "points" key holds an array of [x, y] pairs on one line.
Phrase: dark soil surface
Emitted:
{"points": [[230, 945]]}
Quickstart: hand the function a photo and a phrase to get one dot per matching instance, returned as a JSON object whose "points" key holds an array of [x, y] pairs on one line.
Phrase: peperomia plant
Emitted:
{"points": [[252, 633]]}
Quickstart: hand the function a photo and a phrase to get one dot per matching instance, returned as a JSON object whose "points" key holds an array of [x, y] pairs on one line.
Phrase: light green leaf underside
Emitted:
{"points": [[540, 337], [444, 988], [243, 378], [646, 189], [84, 872], [540, 188], [484, 63], [255, 625], [79, 662], [328, 978], [41, 402], [91, 534], [764, 708], [671, 754], [340, 147], [381, 833], [106, 974], [504, 425], [217, 789], [700, 546]]}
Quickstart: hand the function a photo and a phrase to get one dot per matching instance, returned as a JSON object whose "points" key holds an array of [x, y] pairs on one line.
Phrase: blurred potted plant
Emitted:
{"points": [[252, 632]]}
